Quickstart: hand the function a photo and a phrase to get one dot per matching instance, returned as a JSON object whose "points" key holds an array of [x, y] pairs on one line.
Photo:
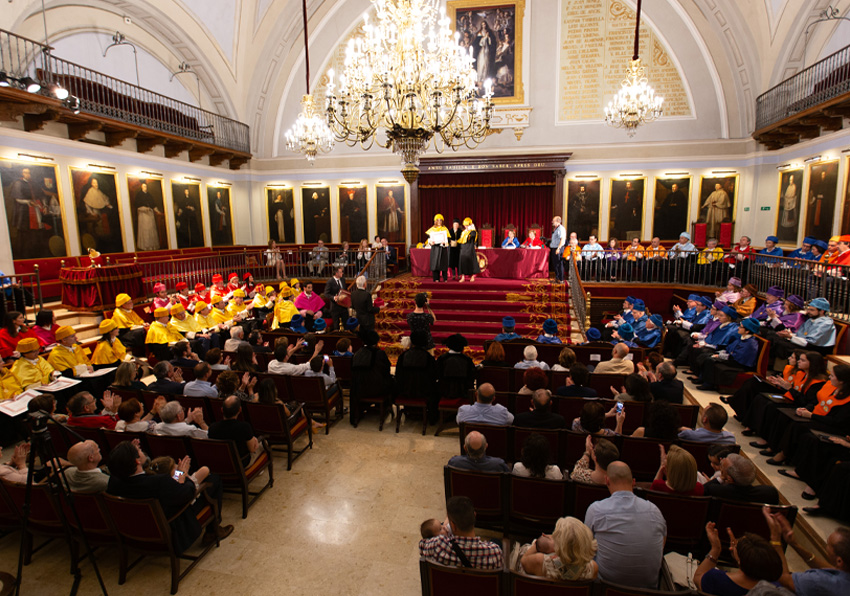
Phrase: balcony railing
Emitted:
{"points": [[817, 84], [107, 96]]}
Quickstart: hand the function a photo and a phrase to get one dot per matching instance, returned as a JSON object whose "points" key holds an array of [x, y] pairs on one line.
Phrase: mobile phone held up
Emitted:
{"points": [[619, 407], [177, 474], [327, 357]]}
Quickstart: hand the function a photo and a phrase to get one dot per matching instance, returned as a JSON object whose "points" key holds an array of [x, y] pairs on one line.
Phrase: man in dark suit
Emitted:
{"points": [[169, 380], [339, 314], [392, 256], [540, 415], [128, 480], [361, 302], [738, 474], [667, 387]]}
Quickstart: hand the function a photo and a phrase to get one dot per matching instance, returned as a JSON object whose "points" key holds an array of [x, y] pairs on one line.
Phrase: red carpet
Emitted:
{"points": [[474, 309]]}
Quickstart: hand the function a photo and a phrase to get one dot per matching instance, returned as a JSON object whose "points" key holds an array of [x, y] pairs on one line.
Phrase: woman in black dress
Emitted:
{"points": [[468, 264], [422, 318], [454, 248]]}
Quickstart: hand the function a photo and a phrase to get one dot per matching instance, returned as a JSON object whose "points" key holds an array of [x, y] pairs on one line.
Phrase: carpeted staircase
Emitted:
{"points": [[473, 309]]}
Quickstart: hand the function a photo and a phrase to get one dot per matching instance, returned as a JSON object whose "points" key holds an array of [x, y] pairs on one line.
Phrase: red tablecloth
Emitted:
{"points": [[94, 289], [495, 262]]}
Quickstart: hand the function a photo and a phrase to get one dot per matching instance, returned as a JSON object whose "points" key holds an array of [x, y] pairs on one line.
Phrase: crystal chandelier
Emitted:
{"points": [[412, 81], [636, 102], [309, 135]]}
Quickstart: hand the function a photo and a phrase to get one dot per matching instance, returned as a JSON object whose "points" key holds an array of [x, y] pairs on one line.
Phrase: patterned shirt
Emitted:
{"points": [[482, 554]]}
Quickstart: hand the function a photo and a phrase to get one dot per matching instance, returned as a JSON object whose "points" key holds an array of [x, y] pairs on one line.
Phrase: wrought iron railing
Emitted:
{"points": [[22, 290], [110, 97], [807, 279], [579, 297], [822, 81]]}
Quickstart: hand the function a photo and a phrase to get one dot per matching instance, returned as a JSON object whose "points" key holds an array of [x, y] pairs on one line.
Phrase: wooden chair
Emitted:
{"points": [[520, 584], [45, 518], [534, 505], [700, 453], [602, 382], [559, 379], [191, 402], [10, 517], [403, 403], [271, 422], [584, 495], [744, 517], [520, 435], [125, 394], [762, 366], [311, 391], [570, 448], [439, 580], [94, 521], [685, 516], [59, 438], [176, 447], [222, 458], [88, 434], [498, 376], [281, 383], [142, 526], [642, 455], [498, 442], [485, 490], [610, 589]]}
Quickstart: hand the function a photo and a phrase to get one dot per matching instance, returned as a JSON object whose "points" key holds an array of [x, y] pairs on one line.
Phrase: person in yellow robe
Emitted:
{"points": [[9, 385], [439, 250], [160, 334], [203, 315], [30, 368], [131, 328], [237, 307], [296, 287], [219, 314], [109, 351], [67, 354], [285, 309], [188, 327]]}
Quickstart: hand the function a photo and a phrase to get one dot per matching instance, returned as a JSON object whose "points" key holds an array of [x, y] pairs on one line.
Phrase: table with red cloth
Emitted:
{"points": [[95, 288], [504, 263]]}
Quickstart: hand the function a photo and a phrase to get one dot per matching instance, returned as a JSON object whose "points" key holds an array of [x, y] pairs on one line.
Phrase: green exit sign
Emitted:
{"points": [[746, 208], [765, 208]]}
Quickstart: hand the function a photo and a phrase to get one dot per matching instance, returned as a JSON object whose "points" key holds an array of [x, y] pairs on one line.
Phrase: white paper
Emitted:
{"points": [[80, 370], [439, 237], [596, 357], [98, 373], [60, 384], [629, 357], [18, 404]]}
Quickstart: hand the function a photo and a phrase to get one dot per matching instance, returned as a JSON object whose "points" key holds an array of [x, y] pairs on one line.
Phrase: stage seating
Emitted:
{"points": [[548, 353]]}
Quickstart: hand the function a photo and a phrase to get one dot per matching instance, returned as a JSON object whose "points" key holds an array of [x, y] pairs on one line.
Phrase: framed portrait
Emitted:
{"points": [[789, 206], [98, 213], [316, 203], [391, 210], [583, 207], [147, 210], [625, 219], [717, 199], [188, 213], [353, 214], [820, 199], [221, 215], [845, 205], [671, 211], [492, 30], [281, 213], [34, 210]]}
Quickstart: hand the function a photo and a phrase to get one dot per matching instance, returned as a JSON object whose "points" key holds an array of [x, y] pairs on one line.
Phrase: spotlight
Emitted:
{"points": [[30, 84], [4, 79], [58, 91], [73, 103]]}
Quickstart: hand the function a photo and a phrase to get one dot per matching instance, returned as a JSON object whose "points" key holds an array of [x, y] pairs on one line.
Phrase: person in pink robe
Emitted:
{"points": [[308, 301]]}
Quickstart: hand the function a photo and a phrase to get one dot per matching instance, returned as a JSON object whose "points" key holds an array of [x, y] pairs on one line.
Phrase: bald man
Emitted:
{"points": [[629, 531], [484, 411], [476, 458], [85, 476], [618, 364]]}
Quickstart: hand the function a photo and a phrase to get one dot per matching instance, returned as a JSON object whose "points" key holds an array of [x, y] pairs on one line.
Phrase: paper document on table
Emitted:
{"points": [[18, 404], [60, 384], [98, 373]]}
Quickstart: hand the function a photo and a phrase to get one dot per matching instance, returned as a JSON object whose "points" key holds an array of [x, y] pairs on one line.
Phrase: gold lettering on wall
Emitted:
{"points": [[597, 42]]}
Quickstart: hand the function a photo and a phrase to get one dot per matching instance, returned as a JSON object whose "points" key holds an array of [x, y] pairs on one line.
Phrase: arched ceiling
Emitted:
{"points": [[249, 54]]}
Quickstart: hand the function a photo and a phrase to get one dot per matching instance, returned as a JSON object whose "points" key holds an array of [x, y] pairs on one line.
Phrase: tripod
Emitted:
{"points": [[42, 445]]}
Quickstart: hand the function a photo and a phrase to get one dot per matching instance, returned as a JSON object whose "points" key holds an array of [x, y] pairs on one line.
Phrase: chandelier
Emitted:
{"points": [[636, 102], [409, 78], [309, 135]]}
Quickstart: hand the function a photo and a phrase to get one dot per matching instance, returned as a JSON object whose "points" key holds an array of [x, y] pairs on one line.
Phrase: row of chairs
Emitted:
{"points": [[566, 447], [511, 379], [525, 507], [549, 353], [137, 525]]}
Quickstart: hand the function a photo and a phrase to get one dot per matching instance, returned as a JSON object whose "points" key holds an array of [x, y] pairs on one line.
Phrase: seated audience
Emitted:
{"points": [[740, 355], [662, 422], [533, 379], [132, 417], [476, 458], [371, 373], [534, 461], [601, 454], [508, 330], [826, 576], [635, 388], [618, 364], [550, 333], [714, 418], [68, 354], [566, 555], [737, 474], [817, 333], [650, 334], [201, 386], [629, 531], [716, 455], [677, 473], [213, 358], [529, 355], [443, 549], [577, 383], [237, 338], [238, 431], [127, 377], [342, 348], [455, 370], [183, 355], [267, 394], [283, 352], [566, 358], [228, 383], [109, 350], [667, 387], [255, 340], [745, 305], [245, 360], [592, 420], [16, 470], [174, 423], [84, 475], [82, 410], [30, 368], [493, 356], [169, 380], [317, 365], [540, 414], [45, 327], [484, 411]]}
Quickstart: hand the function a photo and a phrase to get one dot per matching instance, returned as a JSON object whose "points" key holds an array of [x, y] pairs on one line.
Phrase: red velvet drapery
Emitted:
{"points": [[497, 198]]}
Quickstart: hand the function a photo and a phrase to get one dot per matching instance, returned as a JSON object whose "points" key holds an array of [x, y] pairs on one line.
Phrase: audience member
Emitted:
{"points": [[127, 377], [629, 531], [169, 380], [16, 470], [132, 417], [534, 461], [371, 376], [476, 458], [174, 423], [592, 420], [667, 387], [182, 355], [416, 374], [577, 383], [677, 473], [550, 333], [238, 431], [228, 383], [713, 420], [829, 576], [317, 365], [213, 358], [601, 454], [566, 555], [462, 548], [84, 475], [738, 474], [816, 333], [662, 422], [237, 338], [342, 348], [540, 414], [245, 360], [455, 370], [529, 355], [484, 411], [618, 365], [283, 352], [82, 410], [533, 379], [635, 388], [493, 356], [201, 386], [508, 330], [566, 358]]}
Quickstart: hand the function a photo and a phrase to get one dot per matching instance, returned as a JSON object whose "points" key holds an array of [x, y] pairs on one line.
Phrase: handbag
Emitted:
{"points": [[343, 298]]}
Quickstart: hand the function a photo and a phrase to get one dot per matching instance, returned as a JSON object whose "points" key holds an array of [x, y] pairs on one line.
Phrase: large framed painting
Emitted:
{"points": [[789, 206], [625, 219], [717, 199], [147, 210], [671, 211], [34, 209], [845, 205], [281, 213], [221, 215], [188, 213], [492, 31], [316, 203], [820, 199], [391, 210], [98, 213], [583, 207], [353, 214]]}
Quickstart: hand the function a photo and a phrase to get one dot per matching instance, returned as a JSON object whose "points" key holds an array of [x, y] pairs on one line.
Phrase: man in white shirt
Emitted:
{"points": [[237, 338], [529, 355], [174, 421], [201, 386], [282, 353]]}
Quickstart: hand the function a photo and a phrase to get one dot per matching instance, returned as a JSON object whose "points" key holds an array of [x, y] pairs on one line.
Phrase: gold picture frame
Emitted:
{"points": [[391, 211], [504, 21], [221, 234], [678, 219], [707, 186], [820, 199], [97, 208], [24, 247], [845, 204], [627, 213], [280, 229], [581, 206], [134, 185], [182, 223], [788, 220]]}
